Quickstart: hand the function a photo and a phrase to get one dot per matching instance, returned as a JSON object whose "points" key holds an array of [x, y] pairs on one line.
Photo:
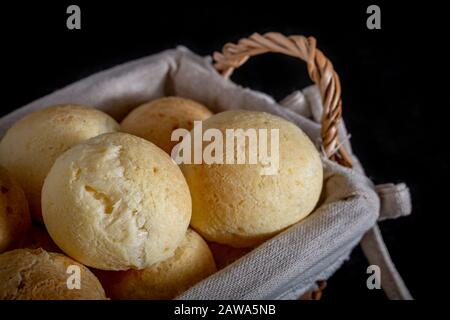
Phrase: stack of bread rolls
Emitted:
{"points": [[79, 191]]}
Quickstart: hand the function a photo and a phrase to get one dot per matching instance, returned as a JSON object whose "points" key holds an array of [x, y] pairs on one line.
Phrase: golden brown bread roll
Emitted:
{"points": [[191, 262], [33, 143], [116, 202], [156, 120], [241, 206], [14, 216], [27, 274]]}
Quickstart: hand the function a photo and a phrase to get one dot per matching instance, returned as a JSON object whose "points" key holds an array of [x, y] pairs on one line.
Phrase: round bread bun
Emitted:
{"points": [[191, 262], [242, 205], [225, 255], [116, 202], [33, 143], [14, 216], [156, 120], [27, 274]]}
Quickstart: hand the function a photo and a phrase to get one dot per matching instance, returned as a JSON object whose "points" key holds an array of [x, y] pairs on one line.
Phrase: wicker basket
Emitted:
{"points": [[117, 90], [320, 70], [322, 73]]}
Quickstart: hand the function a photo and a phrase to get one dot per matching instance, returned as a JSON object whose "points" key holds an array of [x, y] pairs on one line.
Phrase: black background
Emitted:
{"points": [[394, 84]]}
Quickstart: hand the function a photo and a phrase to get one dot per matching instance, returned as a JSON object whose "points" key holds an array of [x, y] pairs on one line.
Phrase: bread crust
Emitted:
{"points": [[15, 220], [156, 120], [192, 261], [31, 146], [116, 202], [34, 274], [236, 205]]}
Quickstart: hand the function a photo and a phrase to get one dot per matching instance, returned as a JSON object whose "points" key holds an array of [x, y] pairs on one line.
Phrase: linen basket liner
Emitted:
{"points": [[289, 264]]}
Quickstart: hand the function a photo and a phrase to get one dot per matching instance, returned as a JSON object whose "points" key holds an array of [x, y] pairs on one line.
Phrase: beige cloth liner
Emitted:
{"points": [[287, 265]]}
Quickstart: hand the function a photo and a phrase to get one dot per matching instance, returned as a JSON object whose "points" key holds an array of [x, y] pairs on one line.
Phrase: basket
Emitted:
{"points": [[296, 261], [395, 199]]}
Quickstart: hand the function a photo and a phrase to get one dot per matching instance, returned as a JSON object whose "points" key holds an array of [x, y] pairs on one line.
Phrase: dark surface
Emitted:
{"points": [[390, 90]]}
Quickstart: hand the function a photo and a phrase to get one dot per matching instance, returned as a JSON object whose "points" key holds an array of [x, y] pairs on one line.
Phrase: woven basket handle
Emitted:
{"points": [[320, 70]]}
